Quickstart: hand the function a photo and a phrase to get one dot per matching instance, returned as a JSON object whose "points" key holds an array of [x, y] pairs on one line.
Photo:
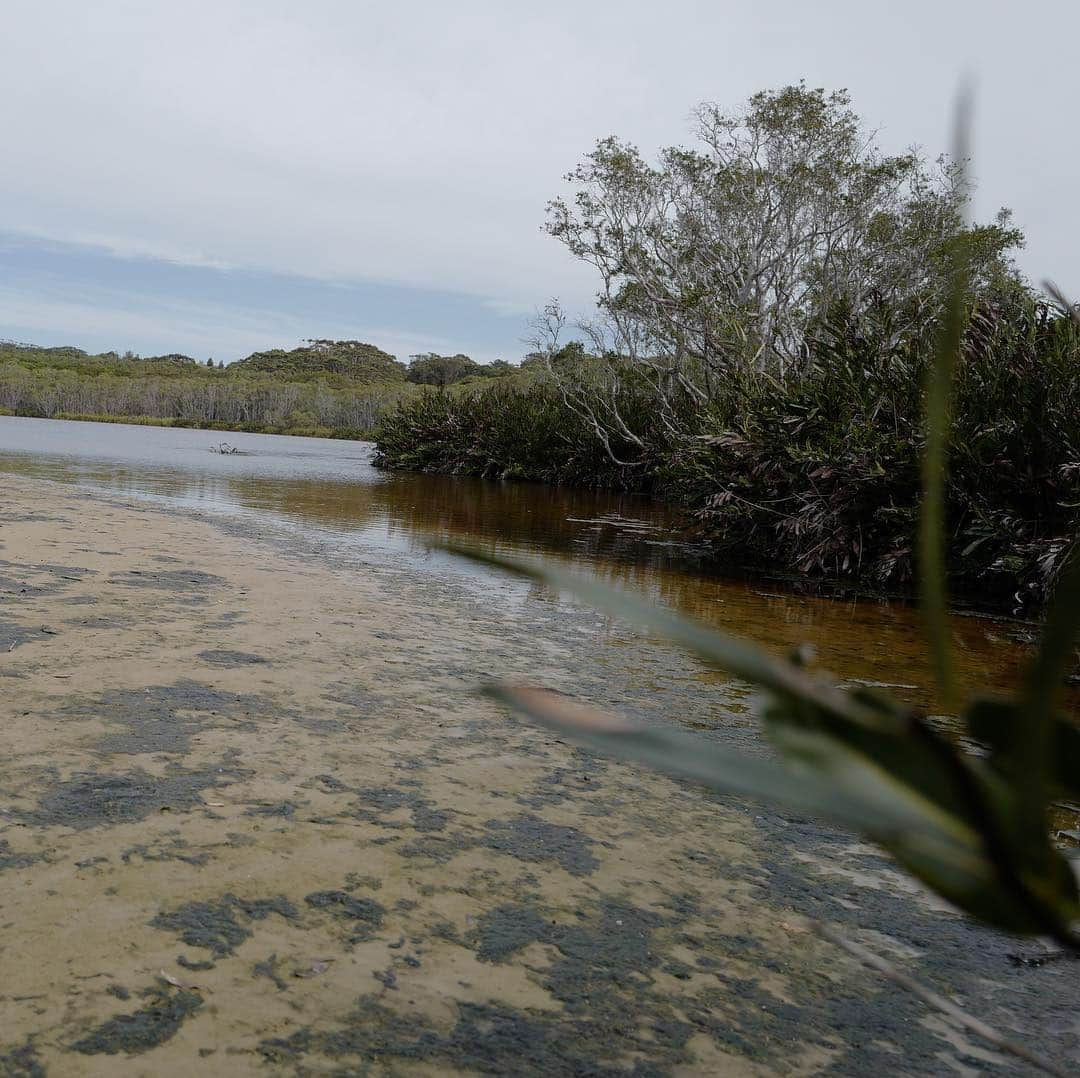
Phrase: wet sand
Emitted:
{"points": [[254, 819]]}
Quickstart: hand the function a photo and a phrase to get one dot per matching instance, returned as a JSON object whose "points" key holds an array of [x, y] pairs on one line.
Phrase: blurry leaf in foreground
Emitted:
{"points": [[858, 758], [687, 756], [939, 391], [993, 721]]}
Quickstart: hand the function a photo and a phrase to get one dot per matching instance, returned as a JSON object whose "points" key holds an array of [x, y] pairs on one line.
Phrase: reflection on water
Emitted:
{"points": [[330, 487]]}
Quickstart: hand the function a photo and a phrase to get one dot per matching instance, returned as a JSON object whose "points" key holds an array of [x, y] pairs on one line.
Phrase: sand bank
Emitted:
{"points": [[254, 819]]}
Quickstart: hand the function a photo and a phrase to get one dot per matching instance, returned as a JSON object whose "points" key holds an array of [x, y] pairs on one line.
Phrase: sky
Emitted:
{"points": [[221, 176]]}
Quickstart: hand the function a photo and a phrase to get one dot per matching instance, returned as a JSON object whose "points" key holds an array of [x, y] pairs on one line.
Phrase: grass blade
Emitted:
{"points": [[677, 752], [939, 386], [720, 650], [1032, 743]]}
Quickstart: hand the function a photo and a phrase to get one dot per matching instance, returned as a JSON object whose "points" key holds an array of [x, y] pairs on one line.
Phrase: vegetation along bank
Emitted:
{"points": [[323, 388], [768, 307]]}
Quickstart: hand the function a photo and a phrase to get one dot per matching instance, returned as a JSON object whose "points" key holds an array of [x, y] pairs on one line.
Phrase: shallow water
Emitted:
{"points": [[264, 779], [330, 489]]}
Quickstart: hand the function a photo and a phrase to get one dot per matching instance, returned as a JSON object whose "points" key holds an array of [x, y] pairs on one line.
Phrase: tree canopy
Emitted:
{"points": [[356, 360], [725, 256], [431, 369]]}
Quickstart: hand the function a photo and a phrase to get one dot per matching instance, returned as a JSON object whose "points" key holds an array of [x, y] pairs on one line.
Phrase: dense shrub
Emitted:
{"points": [[819, 474], [510, 431]]}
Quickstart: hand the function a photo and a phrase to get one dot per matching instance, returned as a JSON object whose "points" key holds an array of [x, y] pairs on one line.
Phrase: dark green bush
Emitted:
{"points": [[819, 474], [512, 431]]}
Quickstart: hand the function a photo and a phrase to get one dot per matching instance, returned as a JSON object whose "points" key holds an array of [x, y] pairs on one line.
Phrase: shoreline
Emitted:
{"points": [[332, 434], [275, 767], [965, 596]]}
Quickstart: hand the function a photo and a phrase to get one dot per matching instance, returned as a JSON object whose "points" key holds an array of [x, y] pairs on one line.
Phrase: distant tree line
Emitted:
{"points": [[325, 387], [430, 369]]}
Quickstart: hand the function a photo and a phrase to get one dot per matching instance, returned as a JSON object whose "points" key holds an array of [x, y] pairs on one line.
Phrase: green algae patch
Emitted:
{"points": [[144, 1029], [21, 1061], [375, 803], [92, 799], [503, 931], [220, 927], [363, 915], [10, 859], [164, 718], [485, 1039], [613, 1013], [185, 582], [13, 634], [530, 838], [226, 658]]}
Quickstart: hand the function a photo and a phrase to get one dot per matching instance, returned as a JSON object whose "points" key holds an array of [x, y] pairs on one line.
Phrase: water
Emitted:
{"points": [[330, 489]]}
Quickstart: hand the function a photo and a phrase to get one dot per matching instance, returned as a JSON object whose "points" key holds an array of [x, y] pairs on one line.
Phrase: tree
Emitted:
{"points": [[497, 368], [354, 360], [722, 258], [429, 368]]}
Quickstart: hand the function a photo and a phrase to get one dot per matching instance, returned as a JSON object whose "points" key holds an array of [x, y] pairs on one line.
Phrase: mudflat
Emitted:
{"points": [[255, 819]]}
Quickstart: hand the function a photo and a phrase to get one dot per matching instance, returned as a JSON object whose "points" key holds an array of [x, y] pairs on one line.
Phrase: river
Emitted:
{"points": [[331, 490], [245, 743]]}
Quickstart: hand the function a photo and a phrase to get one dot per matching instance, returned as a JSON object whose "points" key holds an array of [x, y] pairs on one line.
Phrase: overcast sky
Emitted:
{"points": [[216, 176]]}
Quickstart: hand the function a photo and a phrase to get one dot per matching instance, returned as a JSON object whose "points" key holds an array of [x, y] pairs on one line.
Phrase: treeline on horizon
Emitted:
{"points": [[769, 306], [323, 388]]}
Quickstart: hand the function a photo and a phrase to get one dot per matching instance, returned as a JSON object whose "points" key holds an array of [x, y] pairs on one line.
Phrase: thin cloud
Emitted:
{"points": [[115, 323], [416, 145]]}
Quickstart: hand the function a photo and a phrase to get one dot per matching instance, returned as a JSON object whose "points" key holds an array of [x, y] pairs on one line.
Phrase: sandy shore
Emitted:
{"points": [[254, 819]]}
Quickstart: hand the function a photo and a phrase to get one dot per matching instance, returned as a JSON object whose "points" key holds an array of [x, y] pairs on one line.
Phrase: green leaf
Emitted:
{"points": [[678, 752], [718, 649], [822, 775], [1034, 738], [999, 724], [859, 758], [932, 538]]}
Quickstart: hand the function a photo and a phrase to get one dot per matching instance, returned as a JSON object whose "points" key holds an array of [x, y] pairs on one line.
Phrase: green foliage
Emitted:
{"points": [[822, 475], [32, 357], [430, 369], [718, 258], [354, 360], [975, 828], [174, 389], [818, 475], [505, 430], [862, 759]]}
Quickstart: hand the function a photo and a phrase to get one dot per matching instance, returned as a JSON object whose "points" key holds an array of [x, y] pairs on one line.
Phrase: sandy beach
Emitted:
{"points": [[255, 819]]}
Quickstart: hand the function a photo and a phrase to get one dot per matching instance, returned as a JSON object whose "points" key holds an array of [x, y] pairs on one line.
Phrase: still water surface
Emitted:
{"points": [[330, 489]]}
